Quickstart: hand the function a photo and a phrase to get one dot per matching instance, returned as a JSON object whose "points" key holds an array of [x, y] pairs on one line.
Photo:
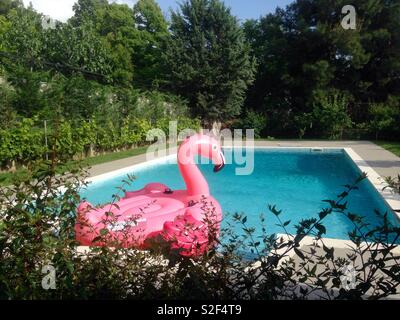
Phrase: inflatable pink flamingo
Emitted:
{"points": [[181, 217]]}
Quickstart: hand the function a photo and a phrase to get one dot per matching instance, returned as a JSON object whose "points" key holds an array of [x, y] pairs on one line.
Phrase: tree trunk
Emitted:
{"points": [[216, 128]]}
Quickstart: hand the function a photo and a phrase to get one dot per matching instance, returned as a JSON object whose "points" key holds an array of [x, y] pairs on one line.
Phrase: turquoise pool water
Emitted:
{"points": [[296, 181]]}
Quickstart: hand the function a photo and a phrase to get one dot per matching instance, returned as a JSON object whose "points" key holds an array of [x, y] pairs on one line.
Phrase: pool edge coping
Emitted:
{"points": [[389, 197]]}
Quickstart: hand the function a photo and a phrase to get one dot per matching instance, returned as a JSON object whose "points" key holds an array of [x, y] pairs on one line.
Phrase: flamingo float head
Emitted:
{"points": [[210, 148], [205, 146]]}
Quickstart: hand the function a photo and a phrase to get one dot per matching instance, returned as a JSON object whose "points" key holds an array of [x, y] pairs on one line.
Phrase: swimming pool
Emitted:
{"points": [[295, 180]]}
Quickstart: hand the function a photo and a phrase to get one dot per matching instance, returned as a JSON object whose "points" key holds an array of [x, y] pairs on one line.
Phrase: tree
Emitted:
{"points": [[7, 96], [87, 10], [152, 34], [4, 27], [115, 23], [22, 40], [385, 118], [304, 48], [79, 48], [74, 97], [7, 5], [24, 36], [330, 114], [208, 59], [28, 85]]}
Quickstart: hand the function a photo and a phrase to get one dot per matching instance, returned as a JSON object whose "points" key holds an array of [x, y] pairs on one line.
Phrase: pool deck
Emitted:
{"points": [[343, 248], [382, 161]]}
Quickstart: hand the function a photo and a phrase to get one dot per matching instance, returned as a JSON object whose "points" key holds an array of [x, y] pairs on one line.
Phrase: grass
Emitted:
{"points": [[393, 147], [7, 178], [108, 157]]}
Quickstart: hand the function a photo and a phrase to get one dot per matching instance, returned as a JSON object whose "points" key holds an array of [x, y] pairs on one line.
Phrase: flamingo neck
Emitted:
{"points": [[196, 184]]}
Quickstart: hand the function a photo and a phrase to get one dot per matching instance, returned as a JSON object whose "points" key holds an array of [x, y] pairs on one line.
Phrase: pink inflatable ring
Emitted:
{"points": [[183, 218]]}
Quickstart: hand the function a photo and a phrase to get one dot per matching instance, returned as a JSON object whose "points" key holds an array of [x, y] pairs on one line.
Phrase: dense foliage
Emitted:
{"points": [[37, 235], [305, 59], [24, 142], [292, 73], [208, 59]]}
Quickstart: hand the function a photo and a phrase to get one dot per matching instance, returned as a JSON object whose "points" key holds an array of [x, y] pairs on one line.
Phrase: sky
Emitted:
{"points": [[243, 9]]}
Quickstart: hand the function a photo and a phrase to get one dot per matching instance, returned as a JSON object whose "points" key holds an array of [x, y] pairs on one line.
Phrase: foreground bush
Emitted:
{"points": [[36, 233]]}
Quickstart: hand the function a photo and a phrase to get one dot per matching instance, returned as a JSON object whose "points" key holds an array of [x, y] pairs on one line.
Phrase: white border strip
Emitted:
{"points": [[126, 170], [391, 198]]}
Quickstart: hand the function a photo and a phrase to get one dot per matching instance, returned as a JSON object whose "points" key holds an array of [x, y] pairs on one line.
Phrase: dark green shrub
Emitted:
{"points": [[330, 115], [154, 105], [383, 118], [23, 142], [253, 120], [393, 183], [7, 96]]}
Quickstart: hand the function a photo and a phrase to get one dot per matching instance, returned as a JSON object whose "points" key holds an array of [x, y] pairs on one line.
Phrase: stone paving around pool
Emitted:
{"points": [[343, 248]]}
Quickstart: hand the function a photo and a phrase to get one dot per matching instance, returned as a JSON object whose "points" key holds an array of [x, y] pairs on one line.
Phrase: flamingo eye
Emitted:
{"points": [[215, 147]]}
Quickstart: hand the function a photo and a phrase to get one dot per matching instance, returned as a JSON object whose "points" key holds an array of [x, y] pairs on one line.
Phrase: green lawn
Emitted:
{"points": [[393, 147], [113, 156]]}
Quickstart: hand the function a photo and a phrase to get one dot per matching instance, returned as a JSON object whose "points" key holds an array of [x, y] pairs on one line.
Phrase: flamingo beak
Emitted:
{"points": [[218, 167]]}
